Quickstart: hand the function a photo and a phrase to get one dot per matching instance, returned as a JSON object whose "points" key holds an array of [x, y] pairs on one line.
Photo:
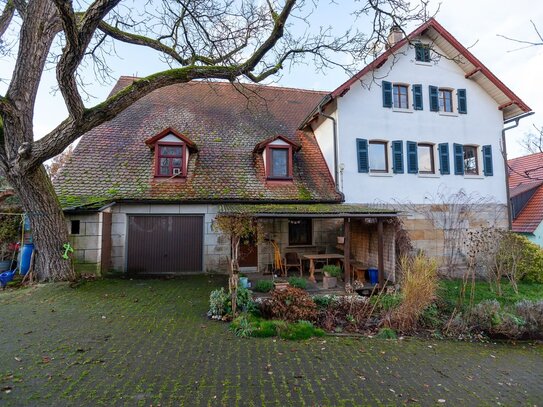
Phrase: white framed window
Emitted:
{"points": [[378, 156]]}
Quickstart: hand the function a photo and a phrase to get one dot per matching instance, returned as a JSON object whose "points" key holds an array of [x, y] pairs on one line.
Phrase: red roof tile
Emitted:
{"points": [[225, 122], [526, 173]]}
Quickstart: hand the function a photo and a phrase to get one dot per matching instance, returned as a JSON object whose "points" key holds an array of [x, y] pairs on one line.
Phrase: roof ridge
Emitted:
{"points": [[525, 156]]}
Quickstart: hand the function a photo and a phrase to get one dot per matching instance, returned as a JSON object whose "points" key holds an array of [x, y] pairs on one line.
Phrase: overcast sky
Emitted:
{"points": [[470, 21]]}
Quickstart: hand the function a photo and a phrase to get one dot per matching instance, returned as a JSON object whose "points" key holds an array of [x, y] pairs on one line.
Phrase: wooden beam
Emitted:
{"points": [[380, 252], [470, 74], [347, 250], [506, 104], [105, 258]]}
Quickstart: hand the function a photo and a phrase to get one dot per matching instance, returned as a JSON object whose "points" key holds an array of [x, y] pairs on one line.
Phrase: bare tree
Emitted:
{"points": [[533, 142], [58, 161], [200, 39]]}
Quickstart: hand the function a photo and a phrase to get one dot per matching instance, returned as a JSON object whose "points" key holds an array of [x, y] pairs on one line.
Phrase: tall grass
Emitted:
{"points": [[419, 283]]}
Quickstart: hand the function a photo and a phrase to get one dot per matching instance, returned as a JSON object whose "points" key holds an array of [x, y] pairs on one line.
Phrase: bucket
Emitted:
{"points": [[244, 282], [26, 255], [374, 275]]}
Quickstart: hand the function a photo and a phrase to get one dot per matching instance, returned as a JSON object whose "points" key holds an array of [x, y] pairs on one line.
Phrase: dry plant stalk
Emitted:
{"points": [[419, 286]]}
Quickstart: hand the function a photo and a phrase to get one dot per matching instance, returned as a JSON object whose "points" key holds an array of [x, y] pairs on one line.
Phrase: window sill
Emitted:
{"points": [[400, 110], [381, 174], [474, 177], [422, 63], [429, 175], [449, 114]]}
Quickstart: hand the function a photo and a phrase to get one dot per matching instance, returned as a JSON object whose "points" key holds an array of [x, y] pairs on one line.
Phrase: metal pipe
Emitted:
{"points": [[516, 120]]}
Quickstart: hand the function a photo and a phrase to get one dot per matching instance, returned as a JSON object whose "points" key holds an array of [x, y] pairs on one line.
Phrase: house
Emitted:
{"points": [[141, 192], [526, 193], [417, 125]]}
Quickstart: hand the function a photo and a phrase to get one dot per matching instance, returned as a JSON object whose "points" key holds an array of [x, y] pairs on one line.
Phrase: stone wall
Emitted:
{"points": [[88, 243]]}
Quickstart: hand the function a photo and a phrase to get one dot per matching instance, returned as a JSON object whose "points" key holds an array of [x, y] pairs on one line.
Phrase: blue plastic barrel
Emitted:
{"points": [[26, 255], [374, 275]]}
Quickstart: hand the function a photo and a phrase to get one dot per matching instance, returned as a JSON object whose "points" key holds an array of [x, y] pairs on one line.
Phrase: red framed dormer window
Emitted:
{"points": [[170, 159], [279, 162], [171, 153]]}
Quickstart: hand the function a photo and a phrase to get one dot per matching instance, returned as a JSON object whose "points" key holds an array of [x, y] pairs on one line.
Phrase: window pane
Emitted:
{"points": [[164, 166], [470, 160], [171, 150], [176, 162], [299, 232], [279, 164], [426, 158], [400, 96], [377, 154], [445, 100]]}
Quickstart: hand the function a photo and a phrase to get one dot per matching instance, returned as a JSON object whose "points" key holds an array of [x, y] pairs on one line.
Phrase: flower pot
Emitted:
{"points": [[280, 285], [341, 239], [244, 282], [329, 282], [5, 265]]}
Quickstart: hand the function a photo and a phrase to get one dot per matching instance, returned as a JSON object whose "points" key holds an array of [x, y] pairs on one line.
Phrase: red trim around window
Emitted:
{"points": [[183, 159], [268, 153]]}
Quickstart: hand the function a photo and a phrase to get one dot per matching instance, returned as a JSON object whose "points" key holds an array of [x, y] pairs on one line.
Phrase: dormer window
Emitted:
{"points": [[171, 153], [170, 159], [277, 154], [279, 162]]}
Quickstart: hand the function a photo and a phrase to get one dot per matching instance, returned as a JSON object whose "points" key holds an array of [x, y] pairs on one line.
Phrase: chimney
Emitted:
{"points": [[395, 35]]}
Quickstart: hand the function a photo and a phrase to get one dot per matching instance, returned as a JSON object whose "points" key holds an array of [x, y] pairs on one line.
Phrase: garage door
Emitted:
{"points": [[165, 244]]}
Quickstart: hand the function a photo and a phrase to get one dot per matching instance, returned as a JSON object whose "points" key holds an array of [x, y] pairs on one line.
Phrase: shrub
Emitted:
{"points": [[244, 299], [419, 286], [263, 286], [332, 270], [532, 314], [324, 301], [218, 301], [291, 304], [346, 313], [264, 329], [489, 317], [300, 330], [430, 317], [386, 333], [298, 282], [531, 266], [386, 302]]}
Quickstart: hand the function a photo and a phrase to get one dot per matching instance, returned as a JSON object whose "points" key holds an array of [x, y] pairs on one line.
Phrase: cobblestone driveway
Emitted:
{"points": [[147, 342]]}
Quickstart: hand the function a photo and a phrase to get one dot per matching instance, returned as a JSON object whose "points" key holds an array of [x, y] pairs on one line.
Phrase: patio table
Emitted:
{"points": [[313, 257]]}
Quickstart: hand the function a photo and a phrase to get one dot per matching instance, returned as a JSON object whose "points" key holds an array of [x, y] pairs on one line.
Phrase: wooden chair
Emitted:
{"points": [[292, 260]]}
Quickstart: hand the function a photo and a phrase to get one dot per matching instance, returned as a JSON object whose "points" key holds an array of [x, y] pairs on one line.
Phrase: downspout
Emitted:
{"points": [[334, 125], [506, 165]]}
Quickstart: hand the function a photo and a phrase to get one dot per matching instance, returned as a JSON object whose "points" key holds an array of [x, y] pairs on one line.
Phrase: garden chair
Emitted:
{"points": [[292, 260]]}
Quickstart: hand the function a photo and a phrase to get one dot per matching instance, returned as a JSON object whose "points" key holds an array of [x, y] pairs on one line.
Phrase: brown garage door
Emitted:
{"points": [[165, 244]]}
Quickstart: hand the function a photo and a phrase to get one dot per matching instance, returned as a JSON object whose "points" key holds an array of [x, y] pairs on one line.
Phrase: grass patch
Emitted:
{"points": [[246, 326], [298, 282], [449, 290], [263, 286]]}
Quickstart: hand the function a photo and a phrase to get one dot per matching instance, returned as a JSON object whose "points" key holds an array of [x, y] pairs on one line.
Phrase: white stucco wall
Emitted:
{"points": [[361, 114]]}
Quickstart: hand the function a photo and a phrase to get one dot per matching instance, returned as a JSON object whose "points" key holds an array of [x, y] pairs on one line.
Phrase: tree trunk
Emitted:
{"points": [[47, 222]]}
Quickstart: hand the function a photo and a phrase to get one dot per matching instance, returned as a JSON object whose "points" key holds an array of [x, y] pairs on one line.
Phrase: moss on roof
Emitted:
{"points": [[303, 209]]}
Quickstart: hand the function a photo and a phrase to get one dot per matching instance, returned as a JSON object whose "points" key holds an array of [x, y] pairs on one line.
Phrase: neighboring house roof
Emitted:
{"points": [[509, 103], [225, 122], [526, 174]]}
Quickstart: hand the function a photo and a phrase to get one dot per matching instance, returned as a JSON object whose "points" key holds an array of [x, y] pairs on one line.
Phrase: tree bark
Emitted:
{"points": [[47, 222]]}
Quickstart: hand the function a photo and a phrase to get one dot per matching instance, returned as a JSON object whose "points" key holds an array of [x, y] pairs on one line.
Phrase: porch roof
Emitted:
{"points": [[307, 210]]}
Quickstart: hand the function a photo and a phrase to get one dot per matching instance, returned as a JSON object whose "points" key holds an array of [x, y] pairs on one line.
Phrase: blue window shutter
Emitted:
{"points": [[362, 154], [397, 156], [444, 164], [387, 94], [412, 159], [417, 97], [487, 161], [462, 101], [434, 99], [458, 159]]}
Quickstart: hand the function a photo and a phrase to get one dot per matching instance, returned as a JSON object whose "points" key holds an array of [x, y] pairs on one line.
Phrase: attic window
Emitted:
{"points": [[279, 158], [422, 52], [171, 150], [170, 159]]}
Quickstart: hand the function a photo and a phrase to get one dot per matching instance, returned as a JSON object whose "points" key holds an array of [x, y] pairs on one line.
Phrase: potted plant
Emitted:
{"points": [[331, 273], [244, 280]]}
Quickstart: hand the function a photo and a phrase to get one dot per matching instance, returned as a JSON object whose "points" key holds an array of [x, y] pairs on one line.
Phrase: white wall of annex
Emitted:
{"points": [[363, 116]]}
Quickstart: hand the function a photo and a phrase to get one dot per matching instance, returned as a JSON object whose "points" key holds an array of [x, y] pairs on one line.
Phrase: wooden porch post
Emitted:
{"points": [[347, 250], [380, 252], [105, 258]]}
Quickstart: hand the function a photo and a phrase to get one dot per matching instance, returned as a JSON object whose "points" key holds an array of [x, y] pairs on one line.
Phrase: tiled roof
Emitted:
{"points": [[526, 173], [336, 210], [225, 122]]}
